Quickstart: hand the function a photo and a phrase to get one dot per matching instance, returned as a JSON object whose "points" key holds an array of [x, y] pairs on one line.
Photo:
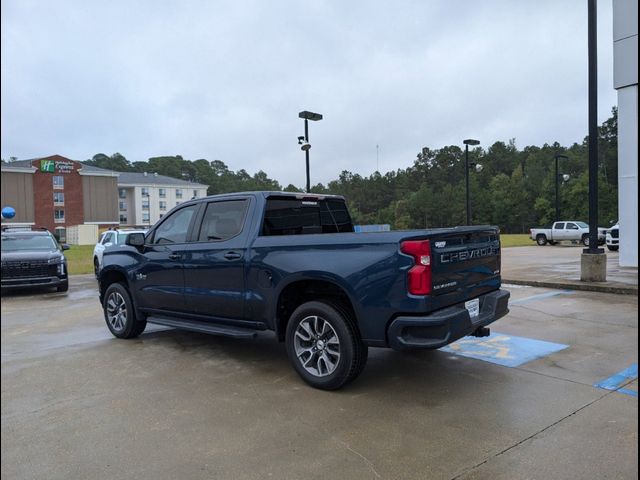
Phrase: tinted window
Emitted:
{"points": [[222, 220], [175, 228], [291, 216], [559, 226]]}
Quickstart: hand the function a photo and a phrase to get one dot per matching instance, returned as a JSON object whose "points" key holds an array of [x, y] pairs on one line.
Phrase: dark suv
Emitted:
{"points": [[33, 258]]}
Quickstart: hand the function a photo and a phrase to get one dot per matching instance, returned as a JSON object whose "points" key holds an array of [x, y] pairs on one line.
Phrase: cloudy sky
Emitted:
{"points": [[226, 79]]}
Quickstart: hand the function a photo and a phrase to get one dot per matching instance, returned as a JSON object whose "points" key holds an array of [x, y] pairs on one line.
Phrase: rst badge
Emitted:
{"points": [[440, 244]]}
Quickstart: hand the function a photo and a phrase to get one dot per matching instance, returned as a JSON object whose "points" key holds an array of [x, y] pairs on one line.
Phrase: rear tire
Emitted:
{"points": [[541, 240], [324, 346], [585, 240], [119, 313]]}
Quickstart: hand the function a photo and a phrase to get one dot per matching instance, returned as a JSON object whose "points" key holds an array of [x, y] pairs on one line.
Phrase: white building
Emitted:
{"points": [[625, 81], [143, 198]]}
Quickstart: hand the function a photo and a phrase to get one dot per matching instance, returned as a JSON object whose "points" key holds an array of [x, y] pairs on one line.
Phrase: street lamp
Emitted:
{"points": [[304, 141], [478, 168], [564, 178]]}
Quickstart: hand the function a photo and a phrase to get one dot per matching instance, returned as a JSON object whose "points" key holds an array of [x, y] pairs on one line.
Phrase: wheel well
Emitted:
{"points": [[304, 291], [107, 278]]}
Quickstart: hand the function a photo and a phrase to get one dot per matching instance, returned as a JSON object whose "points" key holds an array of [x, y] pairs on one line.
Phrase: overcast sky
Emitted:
{"points": [[226, 80]]}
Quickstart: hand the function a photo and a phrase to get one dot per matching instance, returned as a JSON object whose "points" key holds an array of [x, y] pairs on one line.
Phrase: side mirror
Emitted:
{"points": [[65, 246], [135, 240]]}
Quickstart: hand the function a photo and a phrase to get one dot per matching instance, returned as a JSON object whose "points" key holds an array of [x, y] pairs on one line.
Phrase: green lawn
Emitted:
{"points": [[516, 240], [79, 259]]}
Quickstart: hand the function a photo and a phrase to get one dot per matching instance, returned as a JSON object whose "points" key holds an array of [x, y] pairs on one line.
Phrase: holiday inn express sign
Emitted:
{"points": [[56, 166]]}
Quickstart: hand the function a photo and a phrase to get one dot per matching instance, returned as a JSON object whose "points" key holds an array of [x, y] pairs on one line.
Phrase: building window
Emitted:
{"points": [[58, 181], [123, 205], [145, 217], [195, 194], [162, 192], [145, 191], [61, 234], [163, 205], [123, 218], [58, 198], [122, 193], [58, 215], [178, 193]]}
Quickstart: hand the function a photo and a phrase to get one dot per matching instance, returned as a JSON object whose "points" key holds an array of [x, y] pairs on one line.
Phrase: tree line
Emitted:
{"points": [[515, 189]]}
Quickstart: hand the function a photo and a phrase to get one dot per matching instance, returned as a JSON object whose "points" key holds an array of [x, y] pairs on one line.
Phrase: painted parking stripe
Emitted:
{"points": [[506, 350], [541, 296], [616, 381]]}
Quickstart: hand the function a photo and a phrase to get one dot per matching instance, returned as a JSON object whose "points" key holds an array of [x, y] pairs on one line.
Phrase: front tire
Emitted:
{"points": [[585, 240], [612, 248], [119, 313], [63, 287], [96, 266], [324, 346], [541, 240]]}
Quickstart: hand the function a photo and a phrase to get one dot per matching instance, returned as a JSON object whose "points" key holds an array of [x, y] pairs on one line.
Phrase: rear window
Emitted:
{"points": [[293, 216]]}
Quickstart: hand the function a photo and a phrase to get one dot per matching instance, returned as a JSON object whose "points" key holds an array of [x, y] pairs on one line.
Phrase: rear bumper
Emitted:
{"points": [[34, 282], [445, 326]]}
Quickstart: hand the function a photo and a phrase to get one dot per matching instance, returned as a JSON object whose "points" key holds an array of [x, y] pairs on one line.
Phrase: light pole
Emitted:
{"points": [[564, 177], [304, 141], [468, 142]]}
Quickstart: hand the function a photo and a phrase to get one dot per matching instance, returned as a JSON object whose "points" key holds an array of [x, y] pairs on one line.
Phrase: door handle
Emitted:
{"points": [[174, 256], [232, 256]]}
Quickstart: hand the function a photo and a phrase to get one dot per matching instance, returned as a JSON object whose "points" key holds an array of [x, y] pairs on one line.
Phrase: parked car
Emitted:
{"points": [[613, 238], [565, 231], [108, 239], [238, 264], [33, 258]]}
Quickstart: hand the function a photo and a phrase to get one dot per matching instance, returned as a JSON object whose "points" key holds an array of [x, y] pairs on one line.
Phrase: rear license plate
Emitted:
{"points": [[473, 307]]}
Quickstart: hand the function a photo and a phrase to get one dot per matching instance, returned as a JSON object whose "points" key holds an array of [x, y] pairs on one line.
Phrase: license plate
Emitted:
{"points": [[473, 307]]}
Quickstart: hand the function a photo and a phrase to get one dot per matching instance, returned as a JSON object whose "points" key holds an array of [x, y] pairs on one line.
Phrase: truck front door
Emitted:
{"points": [[215, 261]]}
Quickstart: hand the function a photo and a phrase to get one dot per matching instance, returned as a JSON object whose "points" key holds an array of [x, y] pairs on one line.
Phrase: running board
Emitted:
{"points": [[213, 329]]}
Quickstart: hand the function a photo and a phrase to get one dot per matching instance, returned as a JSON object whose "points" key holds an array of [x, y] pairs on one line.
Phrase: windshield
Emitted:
{"points": [[26, 242], [582, 225]]}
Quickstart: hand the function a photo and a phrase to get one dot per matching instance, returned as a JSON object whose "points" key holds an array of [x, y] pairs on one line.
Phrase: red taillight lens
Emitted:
{"points": [[419, 276]]}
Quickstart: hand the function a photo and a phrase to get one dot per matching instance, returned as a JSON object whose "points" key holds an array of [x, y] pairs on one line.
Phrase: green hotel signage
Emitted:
{"points": [[47, 166]]}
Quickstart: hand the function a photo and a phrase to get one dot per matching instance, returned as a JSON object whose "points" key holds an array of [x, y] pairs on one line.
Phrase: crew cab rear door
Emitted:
{"points": [[214, 261]]}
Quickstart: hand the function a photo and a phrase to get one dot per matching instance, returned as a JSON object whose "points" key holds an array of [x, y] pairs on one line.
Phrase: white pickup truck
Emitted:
{"points": [[565, 231]]}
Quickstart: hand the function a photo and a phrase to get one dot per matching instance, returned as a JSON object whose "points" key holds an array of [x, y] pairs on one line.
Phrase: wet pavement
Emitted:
{"points": [[558, 266], [78, 403]]}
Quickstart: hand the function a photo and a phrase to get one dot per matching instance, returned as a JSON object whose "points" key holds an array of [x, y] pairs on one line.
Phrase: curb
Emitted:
{"points": [[586, 287]]}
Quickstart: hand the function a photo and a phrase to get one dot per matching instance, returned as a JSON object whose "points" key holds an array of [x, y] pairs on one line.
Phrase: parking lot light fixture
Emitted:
{"points": [[468, 142], [564, 178], [305, 145]]}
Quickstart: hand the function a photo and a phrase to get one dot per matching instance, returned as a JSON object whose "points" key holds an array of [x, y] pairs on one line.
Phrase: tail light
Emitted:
{"points": [[419, 276]]}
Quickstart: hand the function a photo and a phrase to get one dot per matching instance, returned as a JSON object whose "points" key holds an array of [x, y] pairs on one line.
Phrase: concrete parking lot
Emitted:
{"points": [[522, 404]]}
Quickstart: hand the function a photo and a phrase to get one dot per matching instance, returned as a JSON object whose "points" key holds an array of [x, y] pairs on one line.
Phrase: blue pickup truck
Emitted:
{"points": [[241, 263]]}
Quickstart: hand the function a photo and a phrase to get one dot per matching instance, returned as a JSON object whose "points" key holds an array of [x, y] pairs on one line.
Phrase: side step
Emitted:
{"points": [[201, 327]]}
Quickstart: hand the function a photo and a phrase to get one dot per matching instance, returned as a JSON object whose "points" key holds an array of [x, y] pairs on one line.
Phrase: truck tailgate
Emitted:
{"points": [[465, 261]]}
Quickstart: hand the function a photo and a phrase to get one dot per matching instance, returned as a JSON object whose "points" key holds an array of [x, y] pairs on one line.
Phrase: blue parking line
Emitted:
{"points": [[541, 296], [615, 382], [506, 350]]}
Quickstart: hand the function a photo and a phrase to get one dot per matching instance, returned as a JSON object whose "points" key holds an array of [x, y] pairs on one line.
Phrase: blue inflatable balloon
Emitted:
{"points": [[8, 212]]}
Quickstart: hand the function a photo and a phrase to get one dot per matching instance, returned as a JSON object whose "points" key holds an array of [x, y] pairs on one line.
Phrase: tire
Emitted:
{"points": [[552, 243], [96, 267], [541, 240], [63, 288], [585, 240], [612, 248], [119, 313], [324, 335]]}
